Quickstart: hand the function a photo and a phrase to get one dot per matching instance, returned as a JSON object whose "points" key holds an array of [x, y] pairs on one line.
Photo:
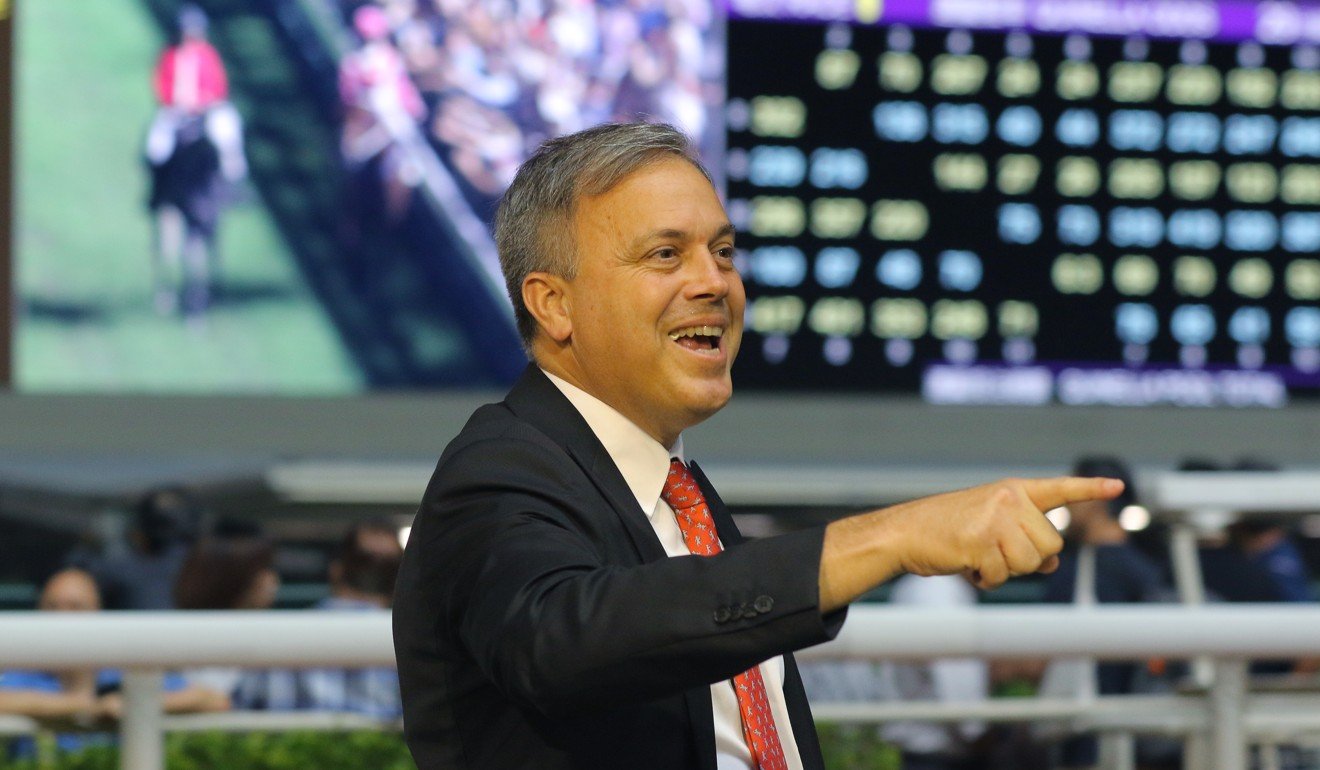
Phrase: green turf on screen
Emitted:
{"points": [[85, 320]]}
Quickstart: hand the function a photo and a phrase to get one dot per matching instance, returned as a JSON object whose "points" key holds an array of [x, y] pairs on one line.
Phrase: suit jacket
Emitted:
{"points": [[539, 624]]}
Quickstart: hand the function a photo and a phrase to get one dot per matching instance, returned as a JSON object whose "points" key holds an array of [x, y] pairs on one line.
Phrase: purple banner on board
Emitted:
{"points": [[915, 13], [1237, 19], [1103, 384], [1274, 22]]}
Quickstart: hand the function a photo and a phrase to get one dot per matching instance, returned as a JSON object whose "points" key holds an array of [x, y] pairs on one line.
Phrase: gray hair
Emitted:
{"points": [[533, 227]]}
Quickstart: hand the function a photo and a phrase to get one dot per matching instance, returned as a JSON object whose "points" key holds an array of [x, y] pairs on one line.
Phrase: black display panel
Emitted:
{"points": [[1023, 218]]}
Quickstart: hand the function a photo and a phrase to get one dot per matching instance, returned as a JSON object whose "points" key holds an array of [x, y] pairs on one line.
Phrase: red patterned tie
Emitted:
{"points": [[683, 495]]}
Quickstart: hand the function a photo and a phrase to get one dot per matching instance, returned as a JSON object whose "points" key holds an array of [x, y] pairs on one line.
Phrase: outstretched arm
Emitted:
{"points": [[46, 705], [989, 533], [193, 699]]}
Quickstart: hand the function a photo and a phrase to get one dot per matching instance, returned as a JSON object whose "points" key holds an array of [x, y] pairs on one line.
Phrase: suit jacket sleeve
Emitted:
{"points": [[520, 557]]}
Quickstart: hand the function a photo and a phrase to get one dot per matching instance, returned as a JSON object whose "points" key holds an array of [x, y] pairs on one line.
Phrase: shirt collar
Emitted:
{"points": [[643, 461]]}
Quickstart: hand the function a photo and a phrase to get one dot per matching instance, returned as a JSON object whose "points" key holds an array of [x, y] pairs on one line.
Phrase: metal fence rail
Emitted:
{"points": [[1223, 720]]}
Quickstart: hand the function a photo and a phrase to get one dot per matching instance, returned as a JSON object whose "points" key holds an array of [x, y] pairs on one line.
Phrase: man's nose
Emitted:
{"points": [[708, 277]]}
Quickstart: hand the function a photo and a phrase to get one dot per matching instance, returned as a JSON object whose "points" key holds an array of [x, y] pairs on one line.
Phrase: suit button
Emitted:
{"points": [[722, 615], [764, 603]]}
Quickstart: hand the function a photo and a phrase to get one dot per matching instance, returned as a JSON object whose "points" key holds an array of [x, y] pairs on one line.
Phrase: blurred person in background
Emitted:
{"points": [[1121, 572], [361, 580], [1257, 560], [381, 108], [84, 696], [1266, 543], [227, 572], [68, 694], [945, 745], [1098, 565], [486, 146], [924, 745], [1264, 538], [1261, 563], [1227, 574], [141, 577]]}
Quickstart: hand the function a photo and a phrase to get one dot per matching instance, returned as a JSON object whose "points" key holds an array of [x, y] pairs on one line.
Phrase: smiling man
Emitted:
{"points": [[574, 594]]}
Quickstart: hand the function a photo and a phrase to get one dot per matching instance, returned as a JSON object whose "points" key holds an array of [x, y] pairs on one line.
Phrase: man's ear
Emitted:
{"points": [[546, 298]]}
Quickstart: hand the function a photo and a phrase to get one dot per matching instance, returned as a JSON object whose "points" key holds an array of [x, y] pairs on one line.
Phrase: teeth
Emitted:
{"points": [[698, 331]]}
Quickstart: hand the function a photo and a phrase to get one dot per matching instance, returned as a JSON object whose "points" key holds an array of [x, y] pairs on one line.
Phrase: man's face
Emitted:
{"points": [[379, 543], [655, 310], [70, 591], [1086, 514]]}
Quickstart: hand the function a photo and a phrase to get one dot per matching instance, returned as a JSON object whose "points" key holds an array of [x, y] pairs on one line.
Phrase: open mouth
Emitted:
{"points": [[699, 338]]}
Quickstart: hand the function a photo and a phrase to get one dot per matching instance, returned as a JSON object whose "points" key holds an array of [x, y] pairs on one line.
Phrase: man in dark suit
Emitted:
{"points": [[573, 594]]}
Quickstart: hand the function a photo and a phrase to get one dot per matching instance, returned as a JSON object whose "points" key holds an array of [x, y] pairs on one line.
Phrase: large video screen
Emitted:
{"points": [[1107, 202], [295, 196]]}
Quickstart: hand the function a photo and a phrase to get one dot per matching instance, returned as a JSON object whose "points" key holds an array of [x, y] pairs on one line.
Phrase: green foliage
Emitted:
{"points": [[846, 747], [1019, 687], [856, 747], [251, 751]]}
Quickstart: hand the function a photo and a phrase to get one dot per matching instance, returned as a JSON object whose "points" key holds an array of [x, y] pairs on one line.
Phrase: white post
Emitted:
{"points": [[1118, 751], [141, 731], [1269, 757], [1228, 703], [1186, 562], [1196, 750]]}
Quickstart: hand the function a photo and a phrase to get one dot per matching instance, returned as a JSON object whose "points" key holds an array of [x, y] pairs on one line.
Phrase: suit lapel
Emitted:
{"points": [[799, 714], [536, 399], [701, 716], [606, 476]]}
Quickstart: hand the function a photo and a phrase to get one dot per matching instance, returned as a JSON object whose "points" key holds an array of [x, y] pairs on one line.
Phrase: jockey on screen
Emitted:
{"points": [[190, 82]]}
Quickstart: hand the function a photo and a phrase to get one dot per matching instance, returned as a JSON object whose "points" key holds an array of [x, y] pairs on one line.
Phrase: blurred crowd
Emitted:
{"points": [[490, 81], [1113, 554], [175, 560]]}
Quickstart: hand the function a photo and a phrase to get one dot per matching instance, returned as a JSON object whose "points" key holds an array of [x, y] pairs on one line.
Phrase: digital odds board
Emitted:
{"points": [[1095, 202]]}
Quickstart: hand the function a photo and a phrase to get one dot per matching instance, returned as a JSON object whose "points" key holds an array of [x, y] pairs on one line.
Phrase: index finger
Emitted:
{"points": [[1046, 494]]}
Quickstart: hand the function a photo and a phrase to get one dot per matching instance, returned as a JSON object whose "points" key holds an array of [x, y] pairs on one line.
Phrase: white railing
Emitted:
{"points": [[1169, 494], [1218, 724], [1224, 720]]}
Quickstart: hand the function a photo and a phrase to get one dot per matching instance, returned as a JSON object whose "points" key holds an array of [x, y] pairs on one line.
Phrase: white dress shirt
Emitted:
{"points": [[644, 464]]}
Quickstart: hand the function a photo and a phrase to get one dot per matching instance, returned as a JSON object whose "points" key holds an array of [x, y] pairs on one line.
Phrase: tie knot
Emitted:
{"points": [[680, 490]]}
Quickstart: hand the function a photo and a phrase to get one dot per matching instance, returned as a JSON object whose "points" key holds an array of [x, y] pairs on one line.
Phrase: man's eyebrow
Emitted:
{"points": [[727, 231], [670, 234]]}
